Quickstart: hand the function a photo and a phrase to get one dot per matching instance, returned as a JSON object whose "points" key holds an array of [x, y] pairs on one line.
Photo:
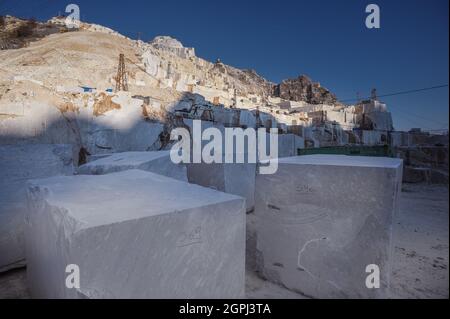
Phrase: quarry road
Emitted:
{"points": [[421, 246]]}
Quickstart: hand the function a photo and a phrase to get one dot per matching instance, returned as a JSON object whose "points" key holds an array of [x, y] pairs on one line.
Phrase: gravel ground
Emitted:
{"points": [[420, 268], [421, 241]]}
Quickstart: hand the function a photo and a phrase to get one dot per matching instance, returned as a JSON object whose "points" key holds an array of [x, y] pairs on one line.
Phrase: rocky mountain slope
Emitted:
{"points": [[58, 86], [162, 57]]}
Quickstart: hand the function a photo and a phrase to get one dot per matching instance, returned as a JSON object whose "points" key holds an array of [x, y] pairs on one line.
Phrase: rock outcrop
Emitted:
{"points": [[303, 89], [172, 45]]}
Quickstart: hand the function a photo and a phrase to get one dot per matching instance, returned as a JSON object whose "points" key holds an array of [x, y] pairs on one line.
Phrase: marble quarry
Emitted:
{"points": [[140, 226], [322, 219], [18, 163], [157, 162], [134, 234]]}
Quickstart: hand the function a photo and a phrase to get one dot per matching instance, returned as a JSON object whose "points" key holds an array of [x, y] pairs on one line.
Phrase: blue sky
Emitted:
{"points": [[325, 39]]}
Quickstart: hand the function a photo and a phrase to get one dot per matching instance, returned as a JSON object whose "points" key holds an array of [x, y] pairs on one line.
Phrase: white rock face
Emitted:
{"points": [[134, 234], [118, 130], [18, 163], [322, 219], [172, 45], [151, 62], [158, 162], [38, 123], [166, 41]]}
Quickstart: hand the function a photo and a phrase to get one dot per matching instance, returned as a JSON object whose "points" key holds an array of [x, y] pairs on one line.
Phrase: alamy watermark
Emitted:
{"points": [[73, 277], [73, 19], [237, 146], [373, 279], [373, 19]]}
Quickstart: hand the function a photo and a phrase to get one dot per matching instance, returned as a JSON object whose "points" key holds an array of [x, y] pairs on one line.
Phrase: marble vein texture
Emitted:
{"points": [[321, 219], [18, 163], [134, 234]]}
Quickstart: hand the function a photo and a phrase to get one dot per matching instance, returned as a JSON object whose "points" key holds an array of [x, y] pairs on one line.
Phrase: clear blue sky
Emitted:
{"points": [[326, 40]]}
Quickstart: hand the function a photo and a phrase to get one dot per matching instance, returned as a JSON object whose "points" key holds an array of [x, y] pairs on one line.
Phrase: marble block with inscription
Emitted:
{"points": [[322, 219], [158, 162], [134, 234]]}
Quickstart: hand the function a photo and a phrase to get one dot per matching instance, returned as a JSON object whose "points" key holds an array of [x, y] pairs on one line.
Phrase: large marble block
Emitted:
{"points": [[322, 219], [233, 178], [18, 163], [157, 162], [134, 234]]}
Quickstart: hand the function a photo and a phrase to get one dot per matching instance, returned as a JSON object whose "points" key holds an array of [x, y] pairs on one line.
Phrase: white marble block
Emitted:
{"points": [[134, 234], [157, 162], [18, 163], [233, 178], [322, 219]]}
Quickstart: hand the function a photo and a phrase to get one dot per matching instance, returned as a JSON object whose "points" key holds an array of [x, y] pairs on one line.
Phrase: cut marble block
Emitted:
{"points": [[134, 234], [18, 163], [91, 158], [157, 162], [233, 178], [321, 219]]}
